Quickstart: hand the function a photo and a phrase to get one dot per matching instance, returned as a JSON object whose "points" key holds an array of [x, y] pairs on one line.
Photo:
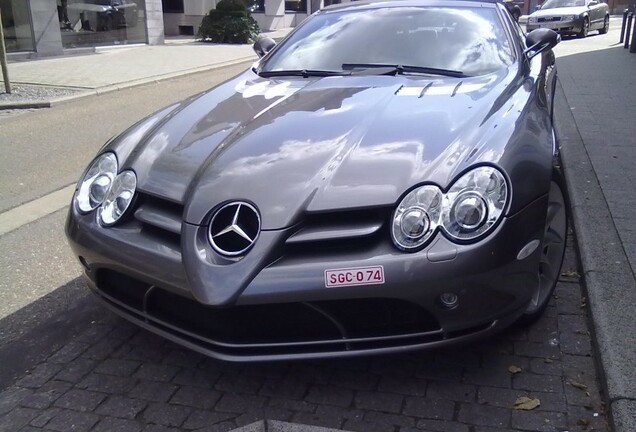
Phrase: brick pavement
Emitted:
{"points": [[115, 377]]}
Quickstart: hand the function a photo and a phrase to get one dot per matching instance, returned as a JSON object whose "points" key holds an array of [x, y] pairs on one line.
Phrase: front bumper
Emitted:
{"points": [[278, 308], [562, 27]]}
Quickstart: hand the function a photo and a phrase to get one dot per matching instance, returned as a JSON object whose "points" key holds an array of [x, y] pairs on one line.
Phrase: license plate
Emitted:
{"points": [[372, 275]]}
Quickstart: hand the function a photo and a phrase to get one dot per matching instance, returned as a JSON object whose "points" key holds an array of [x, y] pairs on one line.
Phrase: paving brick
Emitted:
{"points": [[117, 425], [121, 406], [93, 333], [451, 391], [283, 388], [77, 369], [45, 416], [377, 401], [46, 395], [394, 366], [239, 403], [441, 426], [363, 426], [573, 324], [537, 349], [546, 366], [199, 419], [315, 419], [156, 372], [80, 400], [124, 331], [204, 378], [101, 349], [389, 419], [539, 421], [584, 419], [118, 367], [292, 405], [17, 418], [72, 421], [161, 428], [239, 383], [321, 394], [39, 376], [106, 383], [576, 344], [484, 415], [68, 352], [11, 398], [153, 391], [220, 427], [165, 414], [439, 371], [404, 386], [542, 383], [184, 358], [196, 397], [258, 414], [355, 380], [489, 376], [436, 409]]}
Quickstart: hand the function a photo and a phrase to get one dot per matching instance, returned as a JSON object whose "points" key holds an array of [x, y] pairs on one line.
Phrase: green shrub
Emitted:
{"points": [[230, 22]]}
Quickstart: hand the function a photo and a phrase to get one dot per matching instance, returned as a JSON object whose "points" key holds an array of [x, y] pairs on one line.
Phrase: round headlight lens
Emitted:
{"points": [[96, 183], [474, 203], [416, 217], [119, 198]]}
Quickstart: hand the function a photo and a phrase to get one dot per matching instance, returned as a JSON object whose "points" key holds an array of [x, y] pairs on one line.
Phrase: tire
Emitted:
{"points": [[585, 29], [605, 27], [552, 249]]}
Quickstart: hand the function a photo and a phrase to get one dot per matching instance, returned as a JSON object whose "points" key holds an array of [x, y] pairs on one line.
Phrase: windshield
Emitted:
{"points": [[551, 4], [469, 40]]}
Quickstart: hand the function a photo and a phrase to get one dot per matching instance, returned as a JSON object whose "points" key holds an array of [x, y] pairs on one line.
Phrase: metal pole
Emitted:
{"points": [[629, 30], [3, 58], [624, 25], [632, 49]]}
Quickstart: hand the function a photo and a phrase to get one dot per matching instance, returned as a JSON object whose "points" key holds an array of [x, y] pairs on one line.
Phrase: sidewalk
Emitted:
{"points": [[596, 104]]}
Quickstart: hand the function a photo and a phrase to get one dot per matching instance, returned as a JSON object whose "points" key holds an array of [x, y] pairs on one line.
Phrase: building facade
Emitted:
{"points": [[53, 27]]}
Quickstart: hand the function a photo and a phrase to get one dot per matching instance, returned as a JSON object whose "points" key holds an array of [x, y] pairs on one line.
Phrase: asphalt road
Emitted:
{"points": [[67, 363]]}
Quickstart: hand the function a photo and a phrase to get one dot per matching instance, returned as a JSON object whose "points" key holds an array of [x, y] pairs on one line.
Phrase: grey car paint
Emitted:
{"points": [[310, 146]]}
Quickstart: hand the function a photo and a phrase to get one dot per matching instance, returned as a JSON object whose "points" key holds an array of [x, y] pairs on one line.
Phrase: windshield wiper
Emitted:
{"points": [[392, 69], [305, 73]]}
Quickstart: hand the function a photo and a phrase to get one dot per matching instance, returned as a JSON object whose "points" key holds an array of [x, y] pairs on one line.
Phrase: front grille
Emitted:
{"points": [[159, 218], [274, 329], [549, 19]]}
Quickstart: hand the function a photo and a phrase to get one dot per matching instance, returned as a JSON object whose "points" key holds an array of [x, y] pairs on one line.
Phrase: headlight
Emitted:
{"points": [[417, 217], [532, 20], [569, 17], [470, 208], [119, 198], [96, 183], [474, 203]]}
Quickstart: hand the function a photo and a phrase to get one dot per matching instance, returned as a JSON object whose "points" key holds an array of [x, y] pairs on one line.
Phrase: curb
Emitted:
{"points": [[122, 86], [608, 279]]}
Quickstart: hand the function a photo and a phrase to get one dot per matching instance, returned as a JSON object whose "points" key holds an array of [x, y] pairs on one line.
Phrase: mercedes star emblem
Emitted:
{"points": [[234, 228]]}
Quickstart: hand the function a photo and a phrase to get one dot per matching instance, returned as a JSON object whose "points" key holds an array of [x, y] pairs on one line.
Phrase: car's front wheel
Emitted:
{"points": [[605, 27], [552, 249], [585, 28]]}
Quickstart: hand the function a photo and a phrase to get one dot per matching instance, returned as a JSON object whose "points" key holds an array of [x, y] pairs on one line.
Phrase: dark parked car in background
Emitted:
{"points": [[102, 15], [571, 17], [334, 201]]}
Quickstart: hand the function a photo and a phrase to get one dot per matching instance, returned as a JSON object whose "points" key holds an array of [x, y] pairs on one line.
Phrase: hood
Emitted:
{"points": [[317, 144], [574, 10]]}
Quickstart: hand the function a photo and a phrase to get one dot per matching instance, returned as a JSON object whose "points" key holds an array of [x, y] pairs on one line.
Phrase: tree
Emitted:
{"points": [[230, 22]]}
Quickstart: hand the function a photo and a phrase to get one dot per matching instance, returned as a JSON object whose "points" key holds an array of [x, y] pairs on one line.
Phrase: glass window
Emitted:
{"points": [[101, 22], [16, 21], [467, 39], [172, 6], [298, 6]]}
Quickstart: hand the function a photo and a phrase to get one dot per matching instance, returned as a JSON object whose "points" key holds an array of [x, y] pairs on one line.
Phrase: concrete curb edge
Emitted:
{"points": [[608, 280]]}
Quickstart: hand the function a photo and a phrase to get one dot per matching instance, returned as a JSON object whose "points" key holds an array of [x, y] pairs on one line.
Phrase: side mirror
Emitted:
{"points": [[540, 40], [264, 45], [537, 7], [592, 3]]}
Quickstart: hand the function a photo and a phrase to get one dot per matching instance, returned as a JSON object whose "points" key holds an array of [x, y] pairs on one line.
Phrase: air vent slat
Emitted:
{"points": [[334, 232]]}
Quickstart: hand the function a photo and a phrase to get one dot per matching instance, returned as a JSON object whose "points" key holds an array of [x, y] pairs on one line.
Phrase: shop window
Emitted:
{"points": [[16, 21], [331, 2], [185, 30], [101, 22], [298, 6], [172, 6]]}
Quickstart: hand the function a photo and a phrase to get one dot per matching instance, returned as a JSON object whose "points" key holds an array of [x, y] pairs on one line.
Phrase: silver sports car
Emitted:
{"points": [[382, 180]]}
